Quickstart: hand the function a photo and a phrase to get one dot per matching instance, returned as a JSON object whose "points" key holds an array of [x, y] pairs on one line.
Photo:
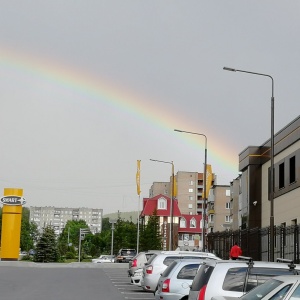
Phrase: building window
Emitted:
{"points": [[211, 218], [190, 206], [183, 223], [281, 176], [292, 169], [227, 205], [193, 223], [227, 219], [227, 193], [191, 198], [161, 203], [191, 190], [191, 182]]}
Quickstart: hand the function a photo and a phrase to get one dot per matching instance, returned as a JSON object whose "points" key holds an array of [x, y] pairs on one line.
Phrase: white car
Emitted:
{"points": [[104, 259], [137, 277]]}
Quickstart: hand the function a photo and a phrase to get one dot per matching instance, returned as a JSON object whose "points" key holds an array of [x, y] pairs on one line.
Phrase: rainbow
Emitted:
{"points": [[221, 155]]}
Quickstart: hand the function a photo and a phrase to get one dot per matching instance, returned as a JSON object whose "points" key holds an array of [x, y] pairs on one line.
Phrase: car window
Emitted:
{"points": [[201, 277], [149, 255], [128, 252], [188, 271], [280, 294], [296, 293], [168, 270], [262, 290], [235, 279], [257, 276], [169, 259], [151, 259]]}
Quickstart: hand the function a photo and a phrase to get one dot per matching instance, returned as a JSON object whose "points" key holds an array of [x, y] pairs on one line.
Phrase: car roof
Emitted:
{"points": [[290, 278], [278, 264]]}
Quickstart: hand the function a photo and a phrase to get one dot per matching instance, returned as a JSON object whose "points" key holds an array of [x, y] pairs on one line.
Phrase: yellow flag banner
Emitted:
{"points": [[209, 178], [174, 187], [138, 185]]}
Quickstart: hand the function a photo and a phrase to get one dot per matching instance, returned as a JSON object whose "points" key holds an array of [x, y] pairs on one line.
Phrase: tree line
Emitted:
{"points": [[46, 246]]}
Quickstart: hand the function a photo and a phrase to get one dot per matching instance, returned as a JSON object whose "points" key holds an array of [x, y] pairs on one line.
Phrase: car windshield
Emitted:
{"points": [[128, 252], [262, 290]]}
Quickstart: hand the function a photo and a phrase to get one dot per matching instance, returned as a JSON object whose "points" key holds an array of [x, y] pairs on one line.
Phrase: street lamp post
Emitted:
{"points": [[204, 182], [171, 205], [272, 237], [112, 222], [82, 233]]}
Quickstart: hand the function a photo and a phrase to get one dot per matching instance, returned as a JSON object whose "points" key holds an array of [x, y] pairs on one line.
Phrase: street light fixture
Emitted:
{"points": [[171, 205], [204, 182], [272, 237]]}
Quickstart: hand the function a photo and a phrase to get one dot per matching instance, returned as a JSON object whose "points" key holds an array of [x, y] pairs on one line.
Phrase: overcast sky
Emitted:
{"points": [[90, 87]]}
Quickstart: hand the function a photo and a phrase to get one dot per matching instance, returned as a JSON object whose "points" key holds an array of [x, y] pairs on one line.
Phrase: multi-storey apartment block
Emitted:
{"points": [[58, 217], [218, 208]]}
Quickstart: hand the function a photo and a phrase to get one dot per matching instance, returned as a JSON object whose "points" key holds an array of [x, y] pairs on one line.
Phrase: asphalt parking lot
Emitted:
{"points": [[47, 281], [120, 280]]}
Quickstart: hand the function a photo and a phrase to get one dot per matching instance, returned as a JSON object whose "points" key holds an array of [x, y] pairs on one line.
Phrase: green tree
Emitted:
{"points": [[46, 248], [68, 240], [125, 235], [29, 231], [150, 237]]}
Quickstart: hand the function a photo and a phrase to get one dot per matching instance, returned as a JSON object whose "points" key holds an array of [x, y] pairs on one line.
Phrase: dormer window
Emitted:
{"points": [[162, 203], [193, 223], [182, 223]]}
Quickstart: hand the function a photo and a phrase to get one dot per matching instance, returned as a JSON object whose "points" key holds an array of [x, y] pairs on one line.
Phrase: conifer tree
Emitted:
{"points": [[46, 248]]}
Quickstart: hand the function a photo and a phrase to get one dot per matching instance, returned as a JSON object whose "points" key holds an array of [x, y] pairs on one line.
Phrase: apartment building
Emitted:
{"points": [[218, 209], [157, 188], [190, 188], [59, 216]]}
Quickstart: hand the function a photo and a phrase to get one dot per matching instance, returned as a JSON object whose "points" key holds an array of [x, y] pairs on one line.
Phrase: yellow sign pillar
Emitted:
{"points": [[11, 223]]}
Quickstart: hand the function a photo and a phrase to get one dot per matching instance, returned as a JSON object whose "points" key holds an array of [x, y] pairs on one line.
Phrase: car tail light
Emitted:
{"points": [[134, 263], [166, 286], [149, 269], [201, 295]]}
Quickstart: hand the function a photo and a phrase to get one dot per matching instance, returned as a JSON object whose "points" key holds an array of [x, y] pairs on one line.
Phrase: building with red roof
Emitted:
{"points": [[187, 229]]}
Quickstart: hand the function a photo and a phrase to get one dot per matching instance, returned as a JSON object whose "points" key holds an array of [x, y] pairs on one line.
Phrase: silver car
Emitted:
{"points": [[139, 260], [285, 287], [233, 278], [174, 283], [159, 262]]}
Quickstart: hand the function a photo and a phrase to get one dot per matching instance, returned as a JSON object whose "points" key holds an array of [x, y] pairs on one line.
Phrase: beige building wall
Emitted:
{"points": [[160, 188], [220, 220], [187, 183], [287, 206]]}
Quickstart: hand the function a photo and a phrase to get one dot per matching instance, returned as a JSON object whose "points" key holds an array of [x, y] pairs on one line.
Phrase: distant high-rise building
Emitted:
{"points": [[59, 216]]}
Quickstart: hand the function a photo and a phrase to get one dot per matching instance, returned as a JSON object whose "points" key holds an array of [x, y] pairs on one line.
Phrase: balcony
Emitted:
{"points": [[211, 211], [210, 224]]}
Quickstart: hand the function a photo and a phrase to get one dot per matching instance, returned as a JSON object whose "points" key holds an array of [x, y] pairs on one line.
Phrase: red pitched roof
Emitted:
{"points": [[150, 204], [189, 229]]}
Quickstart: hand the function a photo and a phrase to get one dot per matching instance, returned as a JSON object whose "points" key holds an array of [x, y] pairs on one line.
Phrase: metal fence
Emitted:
{"points": [[255, 242]]}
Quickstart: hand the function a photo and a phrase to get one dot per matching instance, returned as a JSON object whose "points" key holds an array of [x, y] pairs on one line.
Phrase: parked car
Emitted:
{"points": [[139, 260], [104, 259], [137, 276], [160, 261], [174, 283], [125, 255], [285, 287], [235, 277]]}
